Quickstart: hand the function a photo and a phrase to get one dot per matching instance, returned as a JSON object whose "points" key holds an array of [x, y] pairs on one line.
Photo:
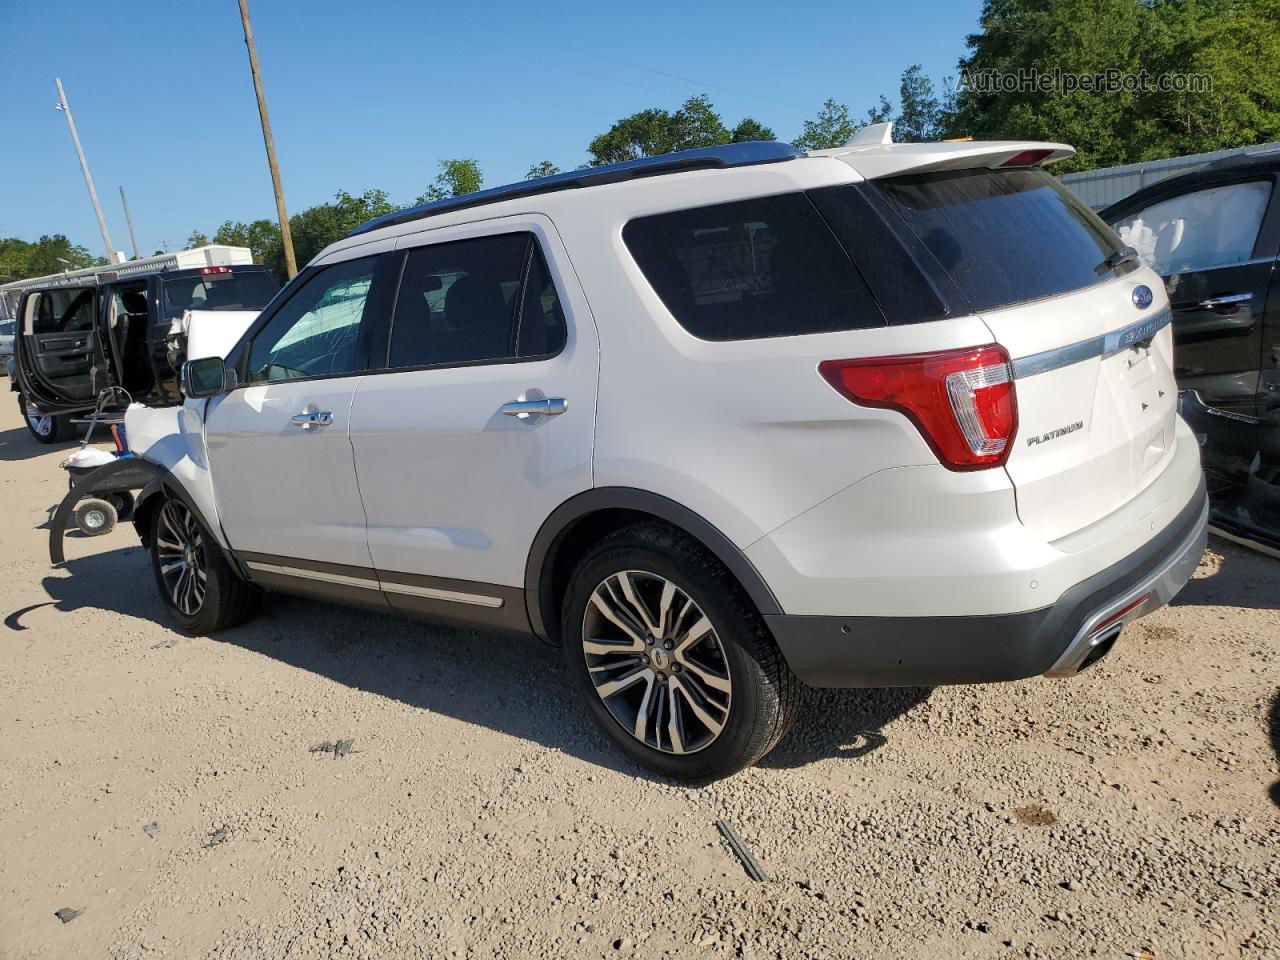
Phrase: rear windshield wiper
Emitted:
{"points": [[1119, 258]]}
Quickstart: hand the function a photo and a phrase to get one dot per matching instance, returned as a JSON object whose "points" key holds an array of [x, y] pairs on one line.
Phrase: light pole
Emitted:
{"points": [[84, 165], [286, 237]]}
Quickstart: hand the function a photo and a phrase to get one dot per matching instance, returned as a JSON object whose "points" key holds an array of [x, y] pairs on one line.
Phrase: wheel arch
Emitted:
{"points": [[165, 485], [588, 517]]}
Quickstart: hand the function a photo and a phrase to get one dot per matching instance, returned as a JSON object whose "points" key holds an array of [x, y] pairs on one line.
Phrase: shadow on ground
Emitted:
{"points": [[18, 444], [514, 685], [1245, 579]]}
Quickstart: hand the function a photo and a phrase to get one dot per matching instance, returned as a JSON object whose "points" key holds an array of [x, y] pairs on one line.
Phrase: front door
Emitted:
{"points": [[482, 422], [278, 444]]}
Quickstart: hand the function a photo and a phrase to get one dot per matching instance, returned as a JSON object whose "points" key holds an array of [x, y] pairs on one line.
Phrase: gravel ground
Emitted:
{"points": [[169, 789]]}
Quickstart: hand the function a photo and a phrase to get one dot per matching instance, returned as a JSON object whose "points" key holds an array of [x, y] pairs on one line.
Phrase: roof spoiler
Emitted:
{"points": [[873, 154]]}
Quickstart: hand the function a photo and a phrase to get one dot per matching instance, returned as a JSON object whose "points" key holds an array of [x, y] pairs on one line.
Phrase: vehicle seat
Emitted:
{"points": [[477, 322]]}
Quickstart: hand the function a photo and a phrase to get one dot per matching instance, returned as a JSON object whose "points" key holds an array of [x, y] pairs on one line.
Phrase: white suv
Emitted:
{"points": [[720, 423]]}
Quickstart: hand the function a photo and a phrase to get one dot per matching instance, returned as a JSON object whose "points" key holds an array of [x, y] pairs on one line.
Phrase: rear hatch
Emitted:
{"points": [[1085, 325]]}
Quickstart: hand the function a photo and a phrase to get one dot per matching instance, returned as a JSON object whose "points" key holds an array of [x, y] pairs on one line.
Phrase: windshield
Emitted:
{"points": [[1006, 236], [218, 291]]}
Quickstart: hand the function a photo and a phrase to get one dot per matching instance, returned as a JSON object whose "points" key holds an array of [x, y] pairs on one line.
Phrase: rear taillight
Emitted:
{"points": [[213, 271], [962, 401]]}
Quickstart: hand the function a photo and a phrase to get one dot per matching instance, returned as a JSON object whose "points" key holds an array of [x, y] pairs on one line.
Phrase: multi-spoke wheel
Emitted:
{"points": [[671, 656], [196, 583], [656, 662], [46, 428], [180, 553]]}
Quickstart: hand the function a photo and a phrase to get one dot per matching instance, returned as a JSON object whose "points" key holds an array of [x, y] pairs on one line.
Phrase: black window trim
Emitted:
{"points": [[534, 244]]}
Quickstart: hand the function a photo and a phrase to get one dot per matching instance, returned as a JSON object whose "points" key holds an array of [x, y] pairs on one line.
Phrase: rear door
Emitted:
{"points": [[60, 360], [1092, 355], [481, 422]]}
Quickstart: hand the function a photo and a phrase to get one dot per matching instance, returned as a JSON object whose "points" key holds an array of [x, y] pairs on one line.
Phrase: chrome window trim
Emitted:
{"points": [[1103, 346]]}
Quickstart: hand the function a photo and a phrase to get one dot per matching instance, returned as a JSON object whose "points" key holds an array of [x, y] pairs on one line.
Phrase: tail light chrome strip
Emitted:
{"points": [[1103, 346]]}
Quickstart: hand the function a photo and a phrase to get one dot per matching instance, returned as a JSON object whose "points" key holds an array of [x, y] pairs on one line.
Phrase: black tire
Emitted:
{"points": [[224, 600], [764, 695], [95, 517], [51, 429], [123, 501]]}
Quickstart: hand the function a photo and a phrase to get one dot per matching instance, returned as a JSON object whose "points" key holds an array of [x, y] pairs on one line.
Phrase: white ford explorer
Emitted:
{"points": [[719, 423]]}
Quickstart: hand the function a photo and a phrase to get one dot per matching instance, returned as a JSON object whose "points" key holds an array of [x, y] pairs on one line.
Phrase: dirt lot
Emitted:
{"points": [[167, 788]]}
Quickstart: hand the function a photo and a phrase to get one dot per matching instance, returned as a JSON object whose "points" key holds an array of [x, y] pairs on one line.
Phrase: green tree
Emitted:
{"points": [[52, 253], [314, 228], [656, 131], [832, 127], [749, 128], [262, 237], [882, 112], [1235, 43], [197, 239], [543, 169], [455, 179], [920, 115]]}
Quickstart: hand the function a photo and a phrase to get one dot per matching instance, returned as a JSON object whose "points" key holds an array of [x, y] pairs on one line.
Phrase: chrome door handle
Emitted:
{"points": [[547, 407], [322, 419], [1226, 301]]}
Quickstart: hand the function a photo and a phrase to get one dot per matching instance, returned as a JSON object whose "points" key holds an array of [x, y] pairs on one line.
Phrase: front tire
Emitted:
{"points": [[200, 590], [671, 657], [47, 429]]}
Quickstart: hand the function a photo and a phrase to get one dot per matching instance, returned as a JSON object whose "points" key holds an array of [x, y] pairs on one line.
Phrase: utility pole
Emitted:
{"points": [[84, 165], [133, 237], [286, 238]]}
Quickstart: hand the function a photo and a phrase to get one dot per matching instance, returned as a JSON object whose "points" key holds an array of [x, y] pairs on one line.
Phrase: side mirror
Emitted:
{"points": [[206, 377]]}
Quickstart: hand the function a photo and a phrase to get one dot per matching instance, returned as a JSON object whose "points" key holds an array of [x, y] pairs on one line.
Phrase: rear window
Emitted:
{"points": [[1004, 236], [765, 267], [251, 290]]}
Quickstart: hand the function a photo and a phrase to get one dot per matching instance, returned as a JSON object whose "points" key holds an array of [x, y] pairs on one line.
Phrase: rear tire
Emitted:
{"points": [[696, 689], [47, 429], [200, 590]]}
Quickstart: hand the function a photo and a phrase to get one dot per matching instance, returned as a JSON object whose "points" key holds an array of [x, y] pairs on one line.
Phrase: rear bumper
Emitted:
{"points": [[833, 651]]}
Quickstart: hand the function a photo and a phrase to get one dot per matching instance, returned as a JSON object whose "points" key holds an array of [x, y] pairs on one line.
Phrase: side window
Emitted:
{"points": [[489, 298], [317, 330], [64, 311], [1198, 231], [768, 267]]}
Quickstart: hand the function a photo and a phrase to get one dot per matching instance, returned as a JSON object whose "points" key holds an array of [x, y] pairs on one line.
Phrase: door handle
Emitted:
{"points": [[306, 420], [1230, 300], [547, 407]]}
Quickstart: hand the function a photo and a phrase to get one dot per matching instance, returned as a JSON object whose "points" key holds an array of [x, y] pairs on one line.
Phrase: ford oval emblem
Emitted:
{"points": [[1142, 296]]}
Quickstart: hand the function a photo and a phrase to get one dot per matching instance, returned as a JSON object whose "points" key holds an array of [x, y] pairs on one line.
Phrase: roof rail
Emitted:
{"points": [[743, 154]]}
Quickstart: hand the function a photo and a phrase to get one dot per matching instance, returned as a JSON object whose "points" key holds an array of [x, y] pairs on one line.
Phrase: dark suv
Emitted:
{"points": [[1213, 235]]}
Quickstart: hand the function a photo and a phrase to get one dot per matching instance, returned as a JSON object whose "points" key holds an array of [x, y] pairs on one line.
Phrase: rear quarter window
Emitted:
{"points": [[1003, 236], [752, 269]]}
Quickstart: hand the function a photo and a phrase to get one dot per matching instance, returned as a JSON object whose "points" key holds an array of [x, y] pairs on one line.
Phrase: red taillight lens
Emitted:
{"points": [[1027, 158], [962, 401]]}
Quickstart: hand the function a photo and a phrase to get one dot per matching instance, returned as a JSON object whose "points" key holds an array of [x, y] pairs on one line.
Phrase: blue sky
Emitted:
{"points": [[376, 93]]}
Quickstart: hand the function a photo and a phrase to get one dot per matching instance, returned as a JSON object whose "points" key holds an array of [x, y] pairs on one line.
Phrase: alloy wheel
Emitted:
{"points": [[42, 426], [180, 557], [656, 662]]}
